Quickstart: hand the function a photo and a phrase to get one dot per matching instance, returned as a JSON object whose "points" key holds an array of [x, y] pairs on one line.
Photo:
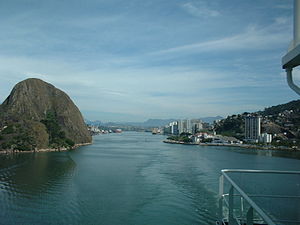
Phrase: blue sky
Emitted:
{"points": [[133, 60]]}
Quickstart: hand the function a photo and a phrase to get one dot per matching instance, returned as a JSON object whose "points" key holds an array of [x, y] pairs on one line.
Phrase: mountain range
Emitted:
{"points": [[149, 122]]}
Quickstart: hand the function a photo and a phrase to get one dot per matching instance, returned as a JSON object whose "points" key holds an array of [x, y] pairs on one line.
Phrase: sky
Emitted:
{"points": [[134, 60]]}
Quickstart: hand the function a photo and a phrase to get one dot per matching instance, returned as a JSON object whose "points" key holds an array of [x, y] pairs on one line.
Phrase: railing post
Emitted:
{"points": [[250, 216], [221, 192], [242, 208], [231, 207]]}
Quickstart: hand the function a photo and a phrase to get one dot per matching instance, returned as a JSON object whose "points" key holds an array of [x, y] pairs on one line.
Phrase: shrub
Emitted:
{"points": [[57, 137], [70, 142], [8, 130]]}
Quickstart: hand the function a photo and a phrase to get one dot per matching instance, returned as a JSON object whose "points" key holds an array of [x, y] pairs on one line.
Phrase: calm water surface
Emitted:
{"points": [[123, 179]]}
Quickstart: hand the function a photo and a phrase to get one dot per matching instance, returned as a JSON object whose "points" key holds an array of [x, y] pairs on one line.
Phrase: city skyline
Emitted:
{"points": [[131, 61]]}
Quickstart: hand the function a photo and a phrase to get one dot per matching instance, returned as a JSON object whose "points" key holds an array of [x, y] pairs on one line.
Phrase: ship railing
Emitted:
{"points": [[248, 197]]}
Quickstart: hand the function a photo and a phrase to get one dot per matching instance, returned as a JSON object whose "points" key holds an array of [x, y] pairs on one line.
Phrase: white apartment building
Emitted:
{"points": [[252, 128], [266, 138], [189, 126]]}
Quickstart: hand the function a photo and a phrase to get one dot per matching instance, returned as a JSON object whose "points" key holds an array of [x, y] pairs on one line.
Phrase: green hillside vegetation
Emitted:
{"points": [[183, 137], [232, 126], [57, 137], [36, 115], [273, 110], [282, 121], [25, 135], [22, 135]]}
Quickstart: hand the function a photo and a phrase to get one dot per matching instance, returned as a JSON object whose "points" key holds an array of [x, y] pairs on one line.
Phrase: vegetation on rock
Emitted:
{"points": [[282, 121], [37, 115], [57, 137]]}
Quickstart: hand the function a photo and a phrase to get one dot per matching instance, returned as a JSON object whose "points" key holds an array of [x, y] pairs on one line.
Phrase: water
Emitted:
{"points": [[124, 179]]}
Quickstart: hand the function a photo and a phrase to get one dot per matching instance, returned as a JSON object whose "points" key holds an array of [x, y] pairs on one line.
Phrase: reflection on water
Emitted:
{"points": [[27, 181], [128, 178], [34, 173]]}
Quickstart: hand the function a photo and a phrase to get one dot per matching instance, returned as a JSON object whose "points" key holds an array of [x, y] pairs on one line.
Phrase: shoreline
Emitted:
{"points": [[178, 142], [252, 147], [63, 149], [247, 146]]}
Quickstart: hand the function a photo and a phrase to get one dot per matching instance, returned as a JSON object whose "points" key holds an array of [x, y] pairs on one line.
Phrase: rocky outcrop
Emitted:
{"points": [[38, 111]]}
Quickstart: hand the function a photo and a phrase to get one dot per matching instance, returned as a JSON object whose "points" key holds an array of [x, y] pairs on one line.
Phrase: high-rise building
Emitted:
{"points": [[189, 126], [197, 125], [252, 128], [181, 126], [174, 128]]}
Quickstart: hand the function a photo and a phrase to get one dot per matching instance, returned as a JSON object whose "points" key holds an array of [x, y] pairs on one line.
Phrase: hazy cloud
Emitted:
{"points": [[252, 38], [201, 10], [130, 59], [284, 6]]}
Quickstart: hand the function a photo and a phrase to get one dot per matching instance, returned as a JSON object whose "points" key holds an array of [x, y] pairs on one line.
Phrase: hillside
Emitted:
{"points": [[273, 110], [37, 115], [281, 120]]}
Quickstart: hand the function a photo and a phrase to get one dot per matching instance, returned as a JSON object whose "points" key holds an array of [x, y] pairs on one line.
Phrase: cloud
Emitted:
{"points": [[163, 59], [284, 6], [252, 38], [282, 20], [199, 11]]}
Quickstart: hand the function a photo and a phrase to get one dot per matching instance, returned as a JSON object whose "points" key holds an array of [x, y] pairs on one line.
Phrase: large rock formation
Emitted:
{"points": [[38, 115]]}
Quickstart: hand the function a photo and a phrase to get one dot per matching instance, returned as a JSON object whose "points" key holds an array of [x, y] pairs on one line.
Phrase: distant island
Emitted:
{"points": [[36, 116]]}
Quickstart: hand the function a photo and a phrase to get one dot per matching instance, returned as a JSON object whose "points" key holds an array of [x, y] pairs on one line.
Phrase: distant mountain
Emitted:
{"points": [[157, 122], [93, 123], [211, 119], [148, 123], [37, 115], [163, 122]]}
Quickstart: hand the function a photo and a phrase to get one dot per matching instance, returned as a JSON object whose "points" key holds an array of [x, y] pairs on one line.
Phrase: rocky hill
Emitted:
{"points": [[283, 121], [37, 115]]}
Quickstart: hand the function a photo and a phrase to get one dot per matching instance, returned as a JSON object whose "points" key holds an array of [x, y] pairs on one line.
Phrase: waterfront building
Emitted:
{"points": [[197, 125], [181, 126], [266, 138], [189, 126], [252, 128], [174, 128], [171, 128]]}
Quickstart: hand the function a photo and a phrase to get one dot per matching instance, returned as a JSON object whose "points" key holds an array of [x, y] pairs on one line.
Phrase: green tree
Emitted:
{"points": [[57, 137]]}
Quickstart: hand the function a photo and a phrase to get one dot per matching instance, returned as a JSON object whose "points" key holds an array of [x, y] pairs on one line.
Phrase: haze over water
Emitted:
{"points": [[126, 179]]}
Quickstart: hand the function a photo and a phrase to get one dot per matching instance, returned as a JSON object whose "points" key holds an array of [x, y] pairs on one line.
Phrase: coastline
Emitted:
{"points": [[178, 142], [45, 149], [247, 146]]}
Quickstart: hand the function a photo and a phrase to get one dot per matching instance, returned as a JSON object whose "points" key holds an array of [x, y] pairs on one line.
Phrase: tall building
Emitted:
{"points": [[189, 126], [252, 128], [174, 128], [171, 128], [181, 126], [197, 125]]}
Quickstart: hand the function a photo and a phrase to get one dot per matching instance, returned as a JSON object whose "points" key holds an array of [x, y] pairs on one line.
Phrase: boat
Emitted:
{"points": [[118, 131], [155, 131]]}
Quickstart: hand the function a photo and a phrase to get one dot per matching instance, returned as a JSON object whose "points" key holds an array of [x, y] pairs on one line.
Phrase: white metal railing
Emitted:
{"points": [[253, 214]]}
